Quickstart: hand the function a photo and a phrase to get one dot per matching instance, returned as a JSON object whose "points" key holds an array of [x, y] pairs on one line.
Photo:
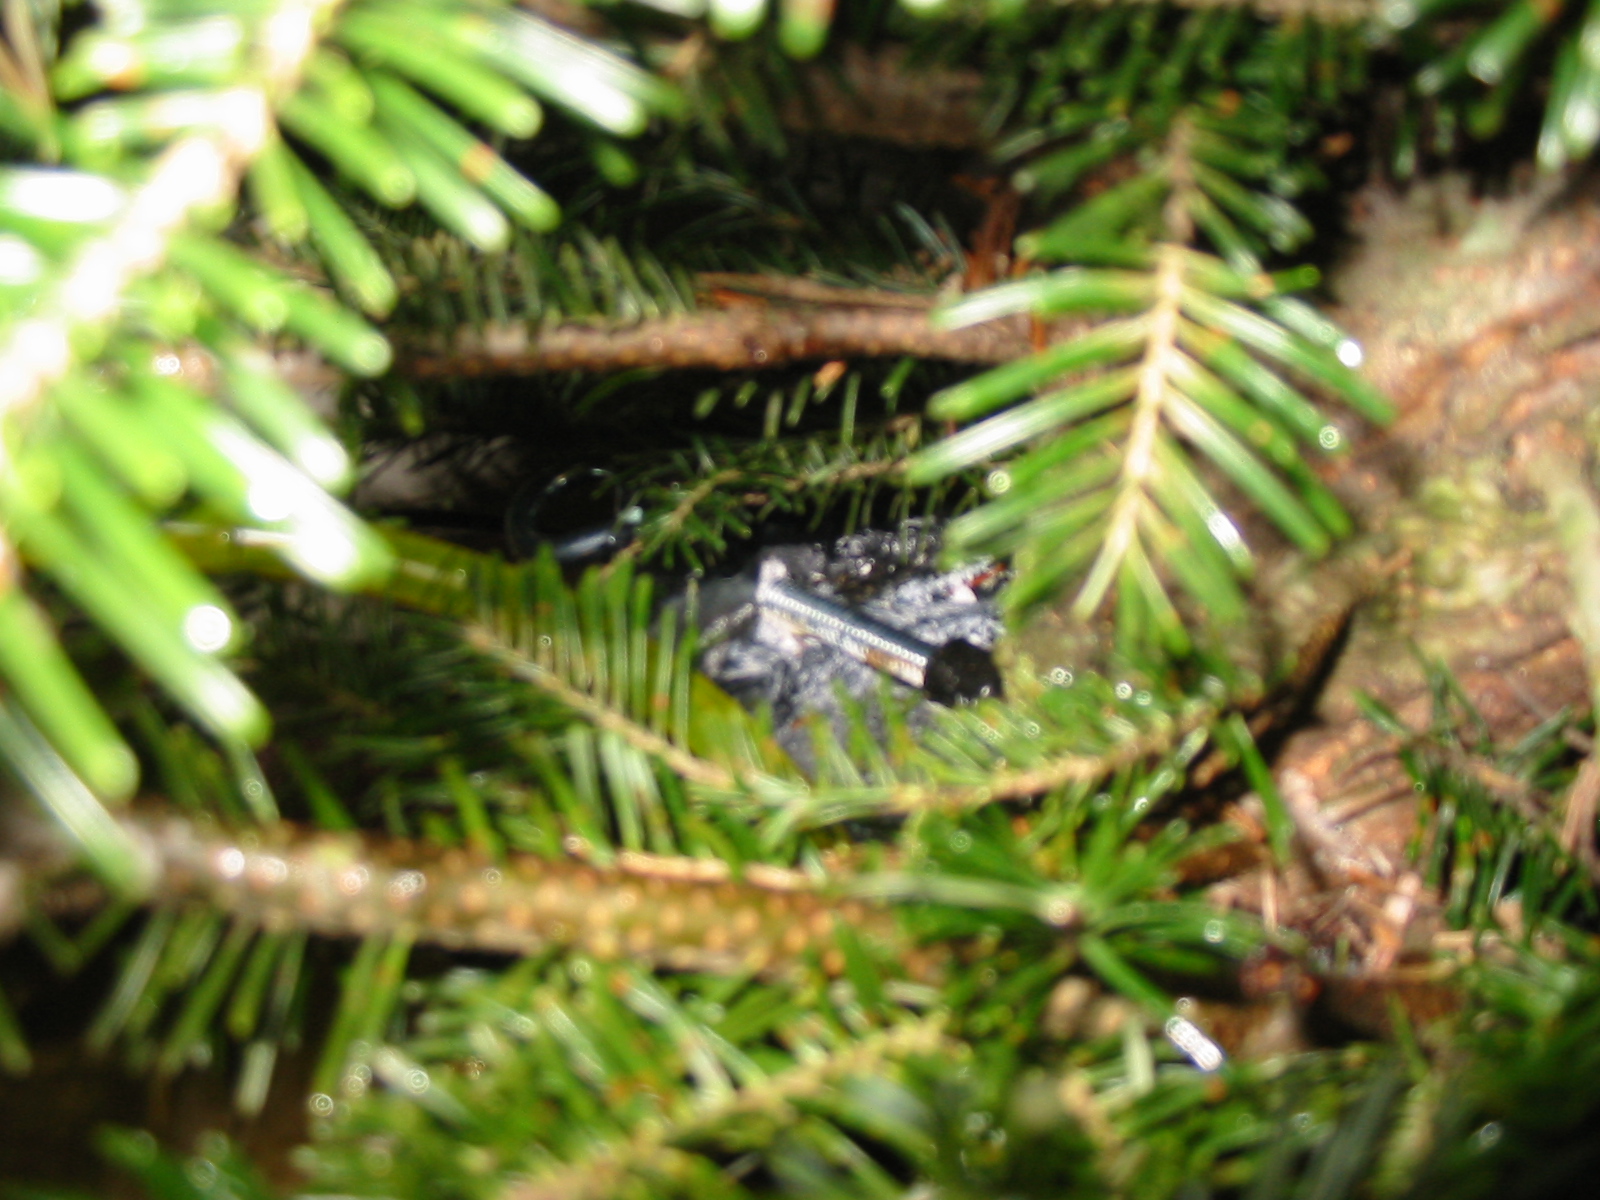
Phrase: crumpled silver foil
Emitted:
{"points": [[759, 658]]}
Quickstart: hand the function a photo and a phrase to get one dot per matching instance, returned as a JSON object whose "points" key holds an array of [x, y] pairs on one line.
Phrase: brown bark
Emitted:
{"points": [[1484, 336], [746, 338]]}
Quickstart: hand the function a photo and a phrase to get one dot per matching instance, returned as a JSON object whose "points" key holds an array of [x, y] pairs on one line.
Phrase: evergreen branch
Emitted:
{"points": [[654, 1149], [1037, 750], [994, 768], [727, 341], [577, 275], [694, 521], [696, 770], [598, 266], [341, 884], [674, 524], [1128, 511], [1479, 74], [561, 668], [192, 173], [93, 535], [218, 133], [1189, 378], [1051, 751], [1491, 808], [1052, 775], [144, 234], [453, 581], [1512, 1076], [396, 143], [1064, 505], [228, 466], [600, 1080]]}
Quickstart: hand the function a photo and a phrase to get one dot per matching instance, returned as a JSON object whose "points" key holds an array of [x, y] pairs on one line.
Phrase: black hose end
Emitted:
{"points": [[580, 515], [959, 672]]}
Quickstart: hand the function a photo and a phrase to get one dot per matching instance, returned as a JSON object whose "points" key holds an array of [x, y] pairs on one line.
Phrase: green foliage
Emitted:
{"points": [[187, 182], [1488, 841], [1509, 1131], [1479, 80], [197, 91], [1173, 351], [1104, 482], [702, 500]]}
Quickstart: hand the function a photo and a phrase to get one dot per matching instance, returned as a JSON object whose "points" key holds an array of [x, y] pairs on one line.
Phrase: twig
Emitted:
{"points": [[738, 340], [601, 715], [344, 884], [1335, 855], [894, 798], [650, 1148], [680, 514], [1131, 508], [1055, 773], [728, 288]]}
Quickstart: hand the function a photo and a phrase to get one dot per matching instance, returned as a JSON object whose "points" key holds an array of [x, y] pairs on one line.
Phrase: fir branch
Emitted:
{"points": [[800, 808], [342, 884], [192, 173], [559, 667], [1129, 513], [1100, 486], [696, 770], [522, 618], [727, 341], [1181, 128], [674, 523], [1051, 775], [860, 470], [653, 1149]]}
